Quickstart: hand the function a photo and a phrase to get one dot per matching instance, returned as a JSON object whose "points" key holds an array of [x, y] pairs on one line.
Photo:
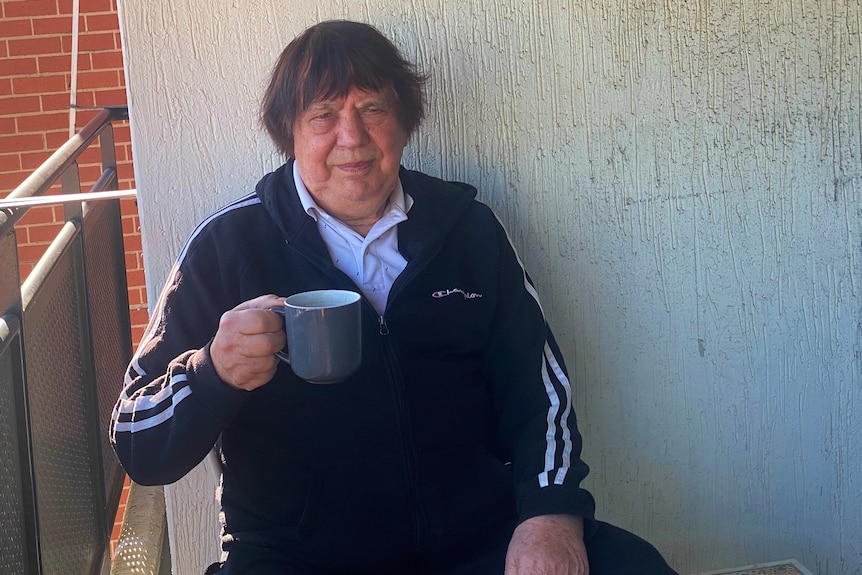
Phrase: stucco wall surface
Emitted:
{"points": [[683, 180]]}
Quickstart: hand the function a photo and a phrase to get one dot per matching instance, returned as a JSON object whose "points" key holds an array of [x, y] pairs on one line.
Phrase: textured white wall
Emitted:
{"points": [[684, 182]]}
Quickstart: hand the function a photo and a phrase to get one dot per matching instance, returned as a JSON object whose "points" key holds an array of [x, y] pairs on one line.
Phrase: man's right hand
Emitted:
{"points": [[248, 336]]}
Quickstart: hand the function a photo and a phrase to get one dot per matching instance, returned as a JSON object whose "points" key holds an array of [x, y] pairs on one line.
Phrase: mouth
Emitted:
{"points": [[356, 167]]}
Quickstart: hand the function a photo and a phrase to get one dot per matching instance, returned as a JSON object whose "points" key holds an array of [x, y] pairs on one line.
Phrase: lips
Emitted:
{"points": [[356, 167]]}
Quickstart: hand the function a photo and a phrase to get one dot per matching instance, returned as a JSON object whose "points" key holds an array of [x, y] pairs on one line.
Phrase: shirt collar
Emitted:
{"points": [[398, 199]]}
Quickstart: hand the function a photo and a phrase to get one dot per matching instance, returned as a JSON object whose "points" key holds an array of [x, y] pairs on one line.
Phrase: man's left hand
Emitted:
{"points": [[548, 545]]}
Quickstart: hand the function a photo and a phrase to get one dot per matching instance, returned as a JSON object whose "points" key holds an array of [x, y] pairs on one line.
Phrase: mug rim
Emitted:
{"points": [[341, 298]]}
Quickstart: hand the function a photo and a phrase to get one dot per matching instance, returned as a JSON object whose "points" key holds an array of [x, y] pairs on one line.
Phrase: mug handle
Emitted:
{"points": [[280, 354]]}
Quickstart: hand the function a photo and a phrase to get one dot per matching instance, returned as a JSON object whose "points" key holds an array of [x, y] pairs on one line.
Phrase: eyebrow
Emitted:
{"points": [[321, 105], [380, 100]]}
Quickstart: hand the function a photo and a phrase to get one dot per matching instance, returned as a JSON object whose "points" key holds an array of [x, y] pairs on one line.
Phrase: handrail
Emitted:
{"points": [[67, 198], [45, 175], [139, 548]]}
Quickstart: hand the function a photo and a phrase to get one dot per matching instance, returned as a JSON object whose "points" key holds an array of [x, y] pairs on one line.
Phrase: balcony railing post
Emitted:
{"points": [[70, 182], [106, 145]]}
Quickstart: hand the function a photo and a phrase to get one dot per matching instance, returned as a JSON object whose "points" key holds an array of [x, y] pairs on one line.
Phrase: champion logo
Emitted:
{"points": [[448, 292]]}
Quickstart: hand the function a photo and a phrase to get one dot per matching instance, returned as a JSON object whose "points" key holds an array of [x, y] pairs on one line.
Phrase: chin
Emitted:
{"points": [[359, 190]]}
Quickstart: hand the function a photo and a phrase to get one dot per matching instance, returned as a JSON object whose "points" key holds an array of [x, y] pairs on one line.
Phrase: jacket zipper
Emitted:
{"points": [[383, 328], [417, 509], [405, 425]]}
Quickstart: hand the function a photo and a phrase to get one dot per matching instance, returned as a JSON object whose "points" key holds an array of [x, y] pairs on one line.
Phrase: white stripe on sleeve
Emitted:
{"points": [[550, 434], [145, 402], [134, 426], [564, 418]]}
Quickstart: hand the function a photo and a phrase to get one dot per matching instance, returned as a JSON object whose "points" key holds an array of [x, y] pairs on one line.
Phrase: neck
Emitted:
{"points": [[359, 221], [363, 225]]}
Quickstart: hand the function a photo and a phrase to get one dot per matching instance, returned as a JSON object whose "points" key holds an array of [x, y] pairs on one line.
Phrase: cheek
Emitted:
{"points": [[394, 147], [316, 154]]}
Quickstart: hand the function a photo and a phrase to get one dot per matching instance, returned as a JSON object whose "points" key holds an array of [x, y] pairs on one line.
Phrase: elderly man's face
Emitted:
{"points": [[348, 150]]}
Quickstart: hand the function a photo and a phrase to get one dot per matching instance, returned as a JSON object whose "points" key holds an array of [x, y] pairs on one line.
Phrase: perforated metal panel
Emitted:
{"points": [[13, 543], [109, 321], [17, 528], [67, 496]]}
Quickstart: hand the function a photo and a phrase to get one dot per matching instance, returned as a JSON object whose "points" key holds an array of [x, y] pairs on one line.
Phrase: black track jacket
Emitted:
{"points": [[458, 423]]}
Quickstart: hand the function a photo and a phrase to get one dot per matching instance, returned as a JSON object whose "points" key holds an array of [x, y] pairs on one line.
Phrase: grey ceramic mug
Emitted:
{"points": [[324, 335]]}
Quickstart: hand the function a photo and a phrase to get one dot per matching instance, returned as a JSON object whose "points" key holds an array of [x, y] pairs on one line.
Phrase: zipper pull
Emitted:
{"points": [[384, 329]]}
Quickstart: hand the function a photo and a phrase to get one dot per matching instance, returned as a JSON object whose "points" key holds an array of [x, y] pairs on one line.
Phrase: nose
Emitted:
{"points": [[351, 130]]}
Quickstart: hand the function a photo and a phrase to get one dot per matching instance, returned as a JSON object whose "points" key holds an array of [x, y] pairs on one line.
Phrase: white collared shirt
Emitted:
{"points": [[373, 261]]}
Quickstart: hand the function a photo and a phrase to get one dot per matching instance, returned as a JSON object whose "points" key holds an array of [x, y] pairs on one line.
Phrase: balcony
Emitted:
{"points": [[65, 341]]}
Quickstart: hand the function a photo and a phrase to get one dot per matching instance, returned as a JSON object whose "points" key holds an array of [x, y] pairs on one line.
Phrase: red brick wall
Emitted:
{"points": [[35, 80]]}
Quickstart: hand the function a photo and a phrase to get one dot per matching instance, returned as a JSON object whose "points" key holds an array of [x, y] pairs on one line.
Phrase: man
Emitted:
{"points": [[454, 448]]}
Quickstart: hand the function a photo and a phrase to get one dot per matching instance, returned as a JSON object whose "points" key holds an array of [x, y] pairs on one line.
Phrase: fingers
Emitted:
{"points": [[258, 345], [252, 322], [248, 336], [261, 302]]}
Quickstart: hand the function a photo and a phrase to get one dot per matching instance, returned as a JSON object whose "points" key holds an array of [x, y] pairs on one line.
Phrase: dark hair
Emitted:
{"points": [[326, 61]]}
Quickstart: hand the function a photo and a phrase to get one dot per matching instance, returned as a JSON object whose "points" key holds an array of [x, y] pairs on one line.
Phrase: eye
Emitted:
{"points": [[373, 115], [321, 121]]}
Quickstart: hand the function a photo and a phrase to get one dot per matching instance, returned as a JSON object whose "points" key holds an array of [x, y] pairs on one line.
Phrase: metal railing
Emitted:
{"points": [[65, 340]]}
